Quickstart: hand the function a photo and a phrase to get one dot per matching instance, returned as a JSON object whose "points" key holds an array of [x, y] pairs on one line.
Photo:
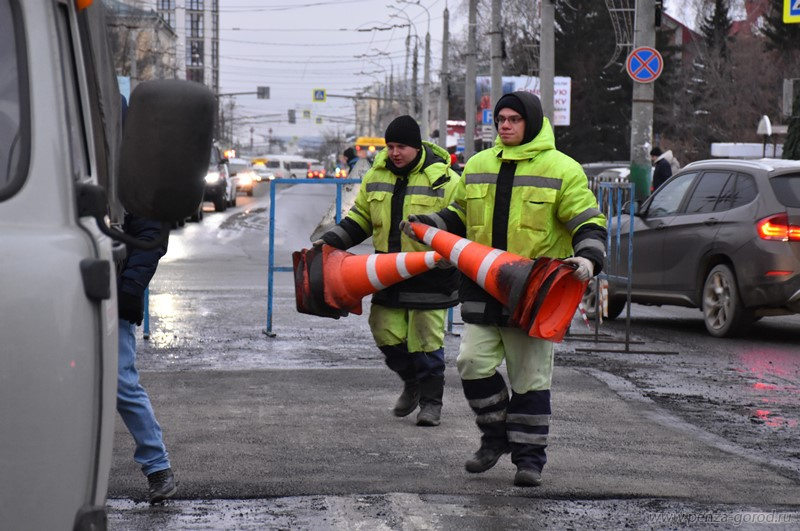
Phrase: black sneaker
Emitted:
{"points": [[162, 485], [528, 477], [485, 458]]}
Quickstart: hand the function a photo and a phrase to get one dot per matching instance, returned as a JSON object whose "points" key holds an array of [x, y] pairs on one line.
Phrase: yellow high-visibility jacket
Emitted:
{"points": [[531, 200]]}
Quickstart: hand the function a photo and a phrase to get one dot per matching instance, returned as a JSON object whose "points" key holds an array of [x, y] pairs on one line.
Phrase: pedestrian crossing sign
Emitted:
{"points": [[791, 11], [319, 95]]}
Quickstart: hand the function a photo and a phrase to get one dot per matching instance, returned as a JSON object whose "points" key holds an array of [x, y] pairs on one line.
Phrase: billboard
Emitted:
{"points": [[562, 94]]}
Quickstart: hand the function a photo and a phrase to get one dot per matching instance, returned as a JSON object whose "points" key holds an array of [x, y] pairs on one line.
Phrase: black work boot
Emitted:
{"points": [[488, 398], [408, 400], [162, 485], [527, 477], [485, 458], [430, 402]]}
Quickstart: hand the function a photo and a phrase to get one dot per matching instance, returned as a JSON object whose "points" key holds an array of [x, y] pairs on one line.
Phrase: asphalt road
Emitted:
{"points": [[295, 431]]}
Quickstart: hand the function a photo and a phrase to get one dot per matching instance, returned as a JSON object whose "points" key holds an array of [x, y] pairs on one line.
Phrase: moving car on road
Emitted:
{"points": [[220, 188], [244, 177], [722, 236]]}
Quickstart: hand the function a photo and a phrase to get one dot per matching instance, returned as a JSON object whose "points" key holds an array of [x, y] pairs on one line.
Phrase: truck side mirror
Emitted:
{"points": [[165, 145]]}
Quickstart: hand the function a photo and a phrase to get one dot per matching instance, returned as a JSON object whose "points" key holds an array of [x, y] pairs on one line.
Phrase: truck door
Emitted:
{"points": [[57, 287]]}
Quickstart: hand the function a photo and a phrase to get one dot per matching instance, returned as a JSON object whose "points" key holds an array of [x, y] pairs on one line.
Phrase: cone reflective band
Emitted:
{"points": [[542, 294], [330, 282]]}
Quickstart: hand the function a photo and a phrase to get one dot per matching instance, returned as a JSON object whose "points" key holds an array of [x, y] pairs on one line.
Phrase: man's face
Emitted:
{"points": [[400, 154], [510, 127]]}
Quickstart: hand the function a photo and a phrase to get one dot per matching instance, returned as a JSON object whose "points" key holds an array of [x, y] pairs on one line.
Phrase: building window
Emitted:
{"points": [[166, 8], [195, 5], [194, 22], [194, 74]]}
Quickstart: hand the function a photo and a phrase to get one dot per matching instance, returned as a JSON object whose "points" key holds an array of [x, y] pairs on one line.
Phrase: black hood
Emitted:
{"points": [[529, 106]]}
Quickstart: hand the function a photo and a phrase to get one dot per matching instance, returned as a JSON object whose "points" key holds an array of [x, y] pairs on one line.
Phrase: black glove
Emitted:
{"points": [[130, 307]]}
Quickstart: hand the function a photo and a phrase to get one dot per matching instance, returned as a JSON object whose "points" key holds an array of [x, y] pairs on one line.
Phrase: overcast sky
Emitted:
{"points": [[296, 46]]}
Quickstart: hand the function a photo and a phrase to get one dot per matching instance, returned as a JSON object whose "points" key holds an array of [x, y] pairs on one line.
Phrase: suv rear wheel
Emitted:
{"points": [[723, 312]]}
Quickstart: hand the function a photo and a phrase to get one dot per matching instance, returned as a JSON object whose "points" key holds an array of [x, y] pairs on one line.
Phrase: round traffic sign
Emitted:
{"points": [[644, 64]]}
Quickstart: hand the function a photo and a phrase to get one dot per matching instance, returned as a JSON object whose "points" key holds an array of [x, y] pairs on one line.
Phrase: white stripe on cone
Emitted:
{"points": [[372, 273]]}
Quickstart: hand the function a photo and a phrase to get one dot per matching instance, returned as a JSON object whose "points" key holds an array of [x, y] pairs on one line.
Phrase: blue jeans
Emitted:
{"points": [[134, 406]]}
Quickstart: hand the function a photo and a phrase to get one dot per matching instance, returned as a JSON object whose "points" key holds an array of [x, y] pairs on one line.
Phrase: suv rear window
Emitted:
{"points": [[13, 110], [787, 189]]}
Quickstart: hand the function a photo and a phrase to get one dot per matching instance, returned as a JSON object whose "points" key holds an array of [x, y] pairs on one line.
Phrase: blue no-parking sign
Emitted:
{"points": [[644, 64]]}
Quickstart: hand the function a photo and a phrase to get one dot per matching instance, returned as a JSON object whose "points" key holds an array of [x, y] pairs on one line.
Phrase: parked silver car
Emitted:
{"points": [[722, 236]]}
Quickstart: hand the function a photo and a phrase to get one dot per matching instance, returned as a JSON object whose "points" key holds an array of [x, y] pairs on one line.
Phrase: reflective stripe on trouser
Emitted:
{"points": [[488, 398], [529, 360], [527, 428], [421, 330], [413, 365]]}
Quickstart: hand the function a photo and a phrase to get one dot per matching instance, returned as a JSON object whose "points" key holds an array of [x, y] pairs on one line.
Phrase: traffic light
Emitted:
{"points": [[292, 118]]}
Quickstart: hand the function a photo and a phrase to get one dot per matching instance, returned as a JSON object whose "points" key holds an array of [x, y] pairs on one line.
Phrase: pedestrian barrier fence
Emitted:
{"points": [[614, 200], [272, 205]]}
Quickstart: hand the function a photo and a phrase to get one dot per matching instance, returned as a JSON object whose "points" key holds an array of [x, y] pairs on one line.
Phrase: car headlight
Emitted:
{"points": [[245, 180], [212, 177]]}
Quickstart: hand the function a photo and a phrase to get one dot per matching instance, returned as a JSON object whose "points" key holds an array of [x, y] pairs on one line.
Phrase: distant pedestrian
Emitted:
{"points": [[661, 167]]}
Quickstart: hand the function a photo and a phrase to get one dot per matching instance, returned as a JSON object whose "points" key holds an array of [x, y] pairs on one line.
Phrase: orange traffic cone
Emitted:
{"points": [[330, 282], [542, 294]]}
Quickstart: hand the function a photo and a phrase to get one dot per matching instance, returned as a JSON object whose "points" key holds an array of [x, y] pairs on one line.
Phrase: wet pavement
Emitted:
{"points": [[295, 431]]}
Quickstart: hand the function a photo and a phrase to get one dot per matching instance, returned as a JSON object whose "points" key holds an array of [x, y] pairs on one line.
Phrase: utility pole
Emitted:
{"points": [[642, 109], [444, 80], [410, 100], [426, 89], [547, 59], [469, 81], [496, 66], [414, 80]]}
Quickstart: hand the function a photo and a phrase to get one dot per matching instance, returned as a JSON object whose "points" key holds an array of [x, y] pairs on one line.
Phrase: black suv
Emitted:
{"points": [[721, 235]]}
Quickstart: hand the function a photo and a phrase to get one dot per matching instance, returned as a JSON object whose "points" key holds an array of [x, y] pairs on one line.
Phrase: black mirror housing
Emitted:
{"points": [[165, 145]]}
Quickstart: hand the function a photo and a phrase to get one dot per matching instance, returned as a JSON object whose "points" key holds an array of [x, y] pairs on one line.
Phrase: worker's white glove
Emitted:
{"points": [[405, 227], [317, 243], [585, 269]]}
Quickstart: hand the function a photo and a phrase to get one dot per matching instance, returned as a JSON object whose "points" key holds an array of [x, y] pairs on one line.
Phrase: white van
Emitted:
{"points": [[284, 166], [66, 167]]}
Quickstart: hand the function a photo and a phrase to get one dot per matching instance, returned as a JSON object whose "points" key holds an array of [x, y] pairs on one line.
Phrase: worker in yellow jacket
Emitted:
{"points": [[407, 319], [525, 197]]}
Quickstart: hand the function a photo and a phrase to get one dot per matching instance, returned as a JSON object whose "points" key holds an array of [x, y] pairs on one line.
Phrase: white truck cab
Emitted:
{"points": [[67, 171]]}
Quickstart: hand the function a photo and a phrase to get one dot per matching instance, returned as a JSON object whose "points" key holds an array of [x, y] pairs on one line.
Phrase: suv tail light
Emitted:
{"points": [[777, 227]]}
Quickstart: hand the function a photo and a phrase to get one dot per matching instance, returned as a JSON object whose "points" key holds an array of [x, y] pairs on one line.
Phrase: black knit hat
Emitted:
{"points": [[528, 106], [404, 130], [349, 153]]}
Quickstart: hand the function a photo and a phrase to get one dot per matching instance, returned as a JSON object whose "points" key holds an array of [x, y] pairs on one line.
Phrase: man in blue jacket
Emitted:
{"points": [[133, 403]]}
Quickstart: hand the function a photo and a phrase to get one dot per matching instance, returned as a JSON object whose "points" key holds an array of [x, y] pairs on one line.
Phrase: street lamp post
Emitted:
{"points": [[412, 102], [426, 83]]}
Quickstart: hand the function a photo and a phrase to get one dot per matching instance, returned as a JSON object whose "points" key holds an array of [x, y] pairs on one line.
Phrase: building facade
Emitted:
{"points": [[181, 36]]}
